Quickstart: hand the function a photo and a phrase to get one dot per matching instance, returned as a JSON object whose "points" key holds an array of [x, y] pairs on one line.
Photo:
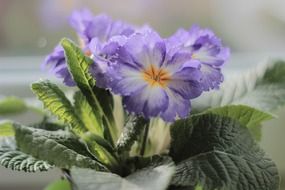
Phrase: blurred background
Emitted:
{"points": [[254, 30]]}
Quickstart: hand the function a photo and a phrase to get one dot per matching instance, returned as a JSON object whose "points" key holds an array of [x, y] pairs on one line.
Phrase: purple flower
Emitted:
{"points": [[88, 27], [206, 48], [156, 77], [101, 27], [152, 82]]}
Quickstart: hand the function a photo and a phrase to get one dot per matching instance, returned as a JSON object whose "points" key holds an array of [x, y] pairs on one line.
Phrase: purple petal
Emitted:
{"points": [[103, 28], [178, 107], [186, 83], [63, 72], [212, 77], [144, 49], [181, 60], [80, 21], [98, 28], [149, 101], [130, 81]]}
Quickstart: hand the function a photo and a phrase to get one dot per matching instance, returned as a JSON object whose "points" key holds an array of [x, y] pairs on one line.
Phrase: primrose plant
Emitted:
{"points": [[147, 113]]}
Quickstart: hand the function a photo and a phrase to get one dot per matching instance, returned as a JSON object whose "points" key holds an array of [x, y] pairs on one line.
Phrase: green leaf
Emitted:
{"points": [[14, 159], [198, 187], [247, 116], [131, 131], [6, 129], [12, 105], [46, 125], [59, 185], [152, 177], [78, 65], [58, 148], [262, 88], [218, 152], [55, 101], [102, 150], [91, 121], [106, 102], [17, 160]]}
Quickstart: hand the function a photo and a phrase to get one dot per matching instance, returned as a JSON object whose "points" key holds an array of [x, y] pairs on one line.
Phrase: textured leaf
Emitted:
{"points": [[12, 105], [102, 151], [17, 160], [131, 131], [54, 99], [59, 185], [247, 116], [219, 153], [6, 129], [262, 88], [150, 178], [49, 126], [56, 102], [93, 122], [78, 65], [59, 148]]}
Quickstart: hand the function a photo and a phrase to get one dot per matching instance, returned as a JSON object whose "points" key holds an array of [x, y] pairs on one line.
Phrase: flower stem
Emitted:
{"points": [[144, 140], [67, 176]]}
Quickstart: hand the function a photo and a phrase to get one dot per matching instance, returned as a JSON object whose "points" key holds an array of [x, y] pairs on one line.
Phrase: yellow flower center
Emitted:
{"points": [[156, 76]]}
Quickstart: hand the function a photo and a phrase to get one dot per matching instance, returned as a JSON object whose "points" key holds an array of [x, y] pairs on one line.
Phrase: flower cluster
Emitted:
{"points": [[156, 77]]}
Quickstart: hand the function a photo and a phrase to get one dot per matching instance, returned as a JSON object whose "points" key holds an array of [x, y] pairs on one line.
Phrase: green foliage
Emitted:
{"points": [[262, 88], [247, 116], [91, 121], [17, 160], [213, 148], [102, 150], [12, 105], [78, 65], [49, 126], [198, 187], [55, 101], [131, 131], [59, 148], [6, 129], [153, 177], [219, 152], [14, 159], [106, 102], [59, 185]]}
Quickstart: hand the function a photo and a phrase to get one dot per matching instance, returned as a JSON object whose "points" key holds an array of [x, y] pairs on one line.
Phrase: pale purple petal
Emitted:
{"points": [[144, 49], [177, 107], [101, 27], [80, 20], [130, 81], [98, 28], [187, 83], [212, 77], [149, 101], [180, 61]]}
